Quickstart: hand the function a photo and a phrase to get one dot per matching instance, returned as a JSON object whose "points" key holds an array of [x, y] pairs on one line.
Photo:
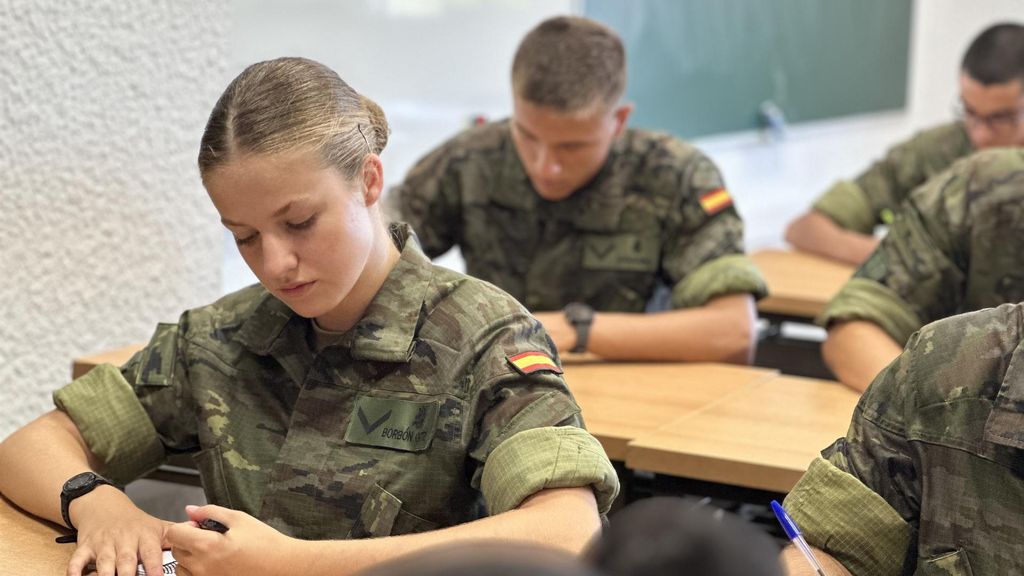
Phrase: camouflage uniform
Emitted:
{"points": [[874, 196], [415, 420], [930, 477], [952, 248], [638, 223]]}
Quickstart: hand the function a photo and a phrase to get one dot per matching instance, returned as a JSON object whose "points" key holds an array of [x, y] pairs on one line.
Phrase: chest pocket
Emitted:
{"points": [[622, 252], [950, 564], [382, 515]]}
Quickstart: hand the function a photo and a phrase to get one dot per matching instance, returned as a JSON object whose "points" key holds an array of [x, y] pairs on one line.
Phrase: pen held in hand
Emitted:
{"points": [[211, 524]]}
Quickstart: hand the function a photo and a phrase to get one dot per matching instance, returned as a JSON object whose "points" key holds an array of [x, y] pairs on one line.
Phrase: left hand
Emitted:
{"points": [[248, 547], [558, 327]]}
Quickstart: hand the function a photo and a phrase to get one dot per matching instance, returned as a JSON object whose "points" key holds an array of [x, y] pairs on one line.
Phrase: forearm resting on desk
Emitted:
{"points": [[816, 233], [722, 330], [37, 460], [796, 564], [857, 350]]}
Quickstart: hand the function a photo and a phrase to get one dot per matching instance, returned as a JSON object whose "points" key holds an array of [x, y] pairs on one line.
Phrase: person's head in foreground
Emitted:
{"points": [[666, 536], [485, 558]]}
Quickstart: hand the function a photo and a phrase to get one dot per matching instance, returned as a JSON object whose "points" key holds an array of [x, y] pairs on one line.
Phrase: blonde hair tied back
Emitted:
{"points": [[293, 105]]}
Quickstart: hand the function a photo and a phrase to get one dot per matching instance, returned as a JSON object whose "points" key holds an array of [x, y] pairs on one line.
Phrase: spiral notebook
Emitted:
{"points": [[170, 565]]}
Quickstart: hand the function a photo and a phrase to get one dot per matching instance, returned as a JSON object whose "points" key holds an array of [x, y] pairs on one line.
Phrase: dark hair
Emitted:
{"points": [[293, 105], [484, 557], [569, 63], [675, 537], [996, 56]]}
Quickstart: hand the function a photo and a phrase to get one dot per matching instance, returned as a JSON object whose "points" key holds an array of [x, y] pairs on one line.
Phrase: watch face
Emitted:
{"points": [[79, 481], [579, 312]]}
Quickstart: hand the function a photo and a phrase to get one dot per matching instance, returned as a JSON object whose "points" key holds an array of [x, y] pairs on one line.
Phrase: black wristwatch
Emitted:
{"points": [[78, 485], [581, 317]]}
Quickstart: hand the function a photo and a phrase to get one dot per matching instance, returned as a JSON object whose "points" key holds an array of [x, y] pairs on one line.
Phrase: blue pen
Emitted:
{"points": [[793, 533]]}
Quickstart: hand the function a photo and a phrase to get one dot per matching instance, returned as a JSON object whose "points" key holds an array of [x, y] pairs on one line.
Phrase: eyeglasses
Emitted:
{"points": [[997, 121]]}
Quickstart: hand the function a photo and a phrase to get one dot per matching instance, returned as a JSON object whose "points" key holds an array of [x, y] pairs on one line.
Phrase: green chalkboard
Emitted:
{"points": [[700, 67]]}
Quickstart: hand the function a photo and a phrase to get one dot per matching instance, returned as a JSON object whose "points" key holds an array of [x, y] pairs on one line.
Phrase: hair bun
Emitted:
{"points": [[378, 122]]}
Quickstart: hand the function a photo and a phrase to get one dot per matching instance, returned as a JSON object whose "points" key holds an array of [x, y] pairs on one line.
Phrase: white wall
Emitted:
{"points": [[105, 229]]}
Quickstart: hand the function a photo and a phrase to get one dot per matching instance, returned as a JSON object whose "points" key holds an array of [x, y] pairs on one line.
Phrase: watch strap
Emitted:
{"points": [[582, 337], [580, 316]]}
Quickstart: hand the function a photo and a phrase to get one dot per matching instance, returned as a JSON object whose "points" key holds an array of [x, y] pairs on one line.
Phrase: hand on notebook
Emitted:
{"points": [[114, 535]]}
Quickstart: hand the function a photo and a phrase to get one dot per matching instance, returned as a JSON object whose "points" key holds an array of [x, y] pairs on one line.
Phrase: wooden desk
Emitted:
{"points": [[799, 284], [27, 546], [625, 400], [760, 437], [116, 357]]}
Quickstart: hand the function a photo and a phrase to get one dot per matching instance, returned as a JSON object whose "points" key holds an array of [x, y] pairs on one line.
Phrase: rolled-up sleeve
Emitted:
{"points": [[133, 416], [871, 301], [733, 274], [846, 204], [840, 515], [543, 458], [112, 422]]}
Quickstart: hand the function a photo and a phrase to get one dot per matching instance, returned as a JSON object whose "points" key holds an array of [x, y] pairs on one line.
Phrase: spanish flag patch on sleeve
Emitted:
{"points": [[715, 201], [534, 361]]}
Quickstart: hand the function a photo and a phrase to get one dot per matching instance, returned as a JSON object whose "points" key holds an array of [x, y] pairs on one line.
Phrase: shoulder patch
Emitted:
{"points": [[534, 361], [715, 201]]}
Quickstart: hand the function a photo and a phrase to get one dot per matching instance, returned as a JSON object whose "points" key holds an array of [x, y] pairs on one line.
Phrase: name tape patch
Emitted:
{"points": [[394, 423]]}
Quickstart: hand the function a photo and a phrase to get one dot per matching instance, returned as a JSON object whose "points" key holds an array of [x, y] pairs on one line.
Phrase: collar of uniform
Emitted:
{"points": [[265, 324], [1005, 424], [964, 138], [385, 332]]}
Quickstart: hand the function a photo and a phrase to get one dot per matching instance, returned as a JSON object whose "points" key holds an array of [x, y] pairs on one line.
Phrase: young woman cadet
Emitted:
{"points": [[358, 391]]}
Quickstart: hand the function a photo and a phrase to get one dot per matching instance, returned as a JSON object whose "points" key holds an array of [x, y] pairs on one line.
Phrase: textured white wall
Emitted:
{"points": [[104, 226]]}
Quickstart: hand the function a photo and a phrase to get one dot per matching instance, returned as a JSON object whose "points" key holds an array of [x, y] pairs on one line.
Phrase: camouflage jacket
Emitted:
{"points": [[930, 477], [656, 214], [874, 196], [951, 249], [420, 418]]}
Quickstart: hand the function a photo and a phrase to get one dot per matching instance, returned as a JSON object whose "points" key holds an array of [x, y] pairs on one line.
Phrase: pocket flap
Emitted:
{"points": [[377, 516], [949, 564]]}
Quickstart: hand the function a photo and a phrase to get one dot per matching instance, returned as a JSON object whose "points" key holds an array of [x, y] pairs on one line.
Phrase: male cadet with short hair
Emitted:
{"points": [[565, 208], [955, 246], [930, 476], [841, 222]]}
